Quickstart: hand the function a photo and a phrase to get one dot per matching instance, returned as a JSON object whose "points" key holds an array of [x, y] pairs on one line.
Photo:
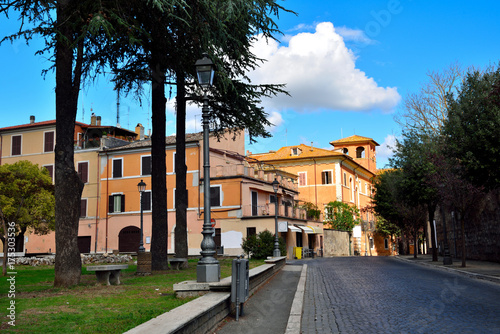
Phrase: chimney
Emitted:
{"points": [[139, 129], [93, 119], [32, 119], [98, 119]]}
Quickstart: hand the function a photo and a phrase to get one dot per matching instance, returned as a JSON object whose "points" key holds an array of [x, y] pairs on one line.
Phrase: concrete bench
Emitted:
{"points": [[108, 274], [177, 263]]}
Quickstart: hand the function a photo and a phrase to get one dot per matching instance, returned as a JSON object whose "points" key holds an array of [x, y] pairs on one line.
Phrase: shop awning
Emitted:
{"points": [[317, 230], [294, 229], [306, 229]]}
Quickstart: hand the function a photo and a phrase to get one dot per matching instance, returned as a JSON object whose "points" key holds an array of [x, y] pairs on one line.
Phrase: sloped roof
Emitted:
{"points": [[354, 140], [285, 153], [190, 137]]}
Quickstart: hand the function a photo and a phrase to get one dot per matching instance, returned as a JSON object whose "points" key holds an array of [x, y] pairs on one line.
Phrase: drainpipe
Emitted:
{"points": [[107, 201], [97, 202]]}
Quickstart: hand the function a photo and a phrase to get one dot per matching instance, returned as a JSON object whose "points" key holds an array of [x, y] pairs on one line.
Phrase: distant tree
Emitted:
{"points": [[427, 110], [341, 216], [26, 202], [457, 193], [412, 156], [471, 132]]}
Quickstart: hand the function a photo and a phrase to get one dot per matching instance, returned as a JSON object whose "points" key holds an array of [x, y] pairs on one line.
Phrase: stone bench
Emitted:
{"points": [[108, 274], [177, 263]]}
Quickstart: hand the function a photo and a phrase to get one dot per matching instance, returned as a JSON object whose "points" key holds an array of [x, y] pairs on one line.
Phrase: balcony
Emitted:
{"points": [[242, 170], [269, 210]]}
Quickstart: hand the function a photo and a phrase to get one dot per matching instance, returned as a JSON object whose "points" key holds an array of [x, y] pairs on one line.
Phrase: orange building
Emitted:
{"points": [[344, 174], [112, 162]]}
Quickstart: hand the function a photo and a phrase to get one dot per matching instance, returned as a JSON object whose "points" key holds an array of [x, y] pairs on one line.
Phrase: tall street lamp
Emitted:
{"points": [[141, 186], [276, 251], [208, 269]]}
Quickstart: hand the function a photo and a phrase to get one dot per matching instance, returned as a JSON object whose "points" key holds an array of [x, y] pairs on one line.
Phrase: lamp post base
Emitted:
{"points": [[276, 253], [206, 273]]}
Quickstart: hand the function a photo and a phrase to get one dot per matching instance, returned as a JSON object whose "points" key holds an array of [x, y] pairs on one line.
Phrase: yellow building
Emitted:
{"points": [[35, 141], [344, 174]]}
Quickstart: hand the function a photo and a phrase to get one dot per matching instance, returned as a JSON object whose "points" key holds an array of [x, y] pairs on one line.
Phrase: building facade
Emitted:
{"points": [[345, 174], [111, 162]]}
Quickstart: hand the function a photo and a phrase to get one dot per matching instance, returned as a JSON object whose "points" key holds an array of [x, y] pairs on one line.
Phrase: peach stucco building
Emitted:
{"points": [[112, 161]]}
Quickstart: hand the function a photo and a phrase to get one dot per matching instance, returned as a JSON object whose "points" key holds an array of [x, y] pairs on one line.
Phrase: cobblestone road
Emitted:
{"points": [[386, 295]]}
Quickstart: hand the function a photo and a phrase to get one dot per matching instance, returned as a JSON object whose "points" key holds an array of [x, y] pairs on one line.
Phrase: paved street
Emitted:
{"points": [[387, 295]]}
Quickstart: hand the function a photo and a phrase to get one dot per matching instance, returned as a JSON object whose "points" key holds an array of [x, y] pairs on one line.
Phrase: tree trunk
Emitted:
{"points": [[432, 209], [159, 236], [68, 186], [181, 242], [462, 227]]}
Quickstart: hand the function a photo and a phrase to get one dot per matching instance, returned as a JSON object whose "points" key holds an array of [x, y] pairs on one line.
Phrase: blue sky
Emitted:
{"points": [[347, 64]]}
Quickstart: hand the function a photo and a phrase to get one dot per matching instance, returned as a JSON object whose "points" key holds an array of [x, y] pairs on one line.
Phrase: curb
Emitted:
{"points": [[295, 318], [462, 272]]}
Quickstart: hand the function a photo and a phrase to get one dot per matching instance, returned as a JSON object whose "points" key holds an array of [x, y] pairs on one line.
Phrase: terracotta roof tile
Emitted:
{"points": [[304, 152], [353, 139]]}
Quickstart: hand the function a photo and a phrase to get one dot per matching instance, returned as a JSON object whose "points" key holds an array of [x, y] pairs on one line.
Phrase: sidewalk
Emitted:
{"points": [[275, 308], [477, 269]]}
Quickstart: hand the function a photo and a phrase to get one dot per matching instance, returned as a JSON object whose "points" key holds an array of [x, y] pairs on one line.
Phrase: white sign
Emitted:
{"points": [[356, 231], [282, 226]]}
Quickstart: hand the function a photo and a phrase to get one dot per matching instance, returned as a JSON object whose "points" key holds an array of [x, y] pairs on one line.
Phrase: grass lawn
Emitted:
{"points": [[92, 308]]}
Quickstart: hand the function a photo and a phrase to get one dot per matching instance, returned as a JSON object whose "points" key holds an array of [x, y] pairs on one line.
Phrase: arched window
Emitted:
{"points": [[360, 152], [345, 151]]}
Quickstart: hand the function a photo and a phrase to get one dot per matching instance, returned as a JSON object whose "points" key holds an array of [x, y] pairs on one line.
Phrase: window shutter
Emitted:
{"points": [[146, 165], [49, 142], [16, 145], [83, 208], [83, 171], [117, 168], [123, 203], [111, 204]]}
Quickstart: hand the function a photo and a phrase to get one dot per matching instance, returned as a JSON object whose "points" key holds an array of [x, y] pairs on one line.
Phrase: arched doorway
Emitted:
{"points": [[128, 239]]}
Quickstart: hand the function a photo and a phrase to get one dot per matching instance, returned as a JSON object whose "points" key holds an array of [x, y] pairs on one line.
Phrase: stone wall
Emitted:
{"points": [[335, 243], [482, 234]]}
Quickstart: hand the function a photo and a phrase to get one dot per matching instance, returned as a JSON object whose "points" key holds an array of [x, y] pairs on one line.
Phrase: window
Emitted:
{"points": [[386, 243], [146, 165], [117, 168], [48, 145], [272, 199], [50, 168], [83, 171], [345, 179], [295, 151], [298, 237], [345, 151], [326, 177], [117, 203], [83, 208], [146, 201], [352, 189], [372, 245], [16, 145], [255, 206], [302, 178], [360, 152], [215, 199], [251, 231]]}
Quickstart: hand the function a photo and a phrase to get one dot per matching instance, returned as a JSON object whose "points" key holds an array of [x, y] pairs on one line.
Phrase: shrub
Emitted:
{"points": [[261, 245]]}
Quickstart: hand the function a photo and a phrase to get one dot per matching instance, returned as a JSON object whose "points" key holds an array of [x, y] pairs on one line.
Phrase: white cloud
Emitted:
{"points": [[320, 73], [386, 150], [355, 35]]}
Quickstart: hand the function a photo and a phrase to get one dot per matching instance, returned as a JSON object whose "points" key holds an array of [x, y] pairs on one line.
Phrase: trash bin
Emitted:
{"points": [[297, 252]]}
